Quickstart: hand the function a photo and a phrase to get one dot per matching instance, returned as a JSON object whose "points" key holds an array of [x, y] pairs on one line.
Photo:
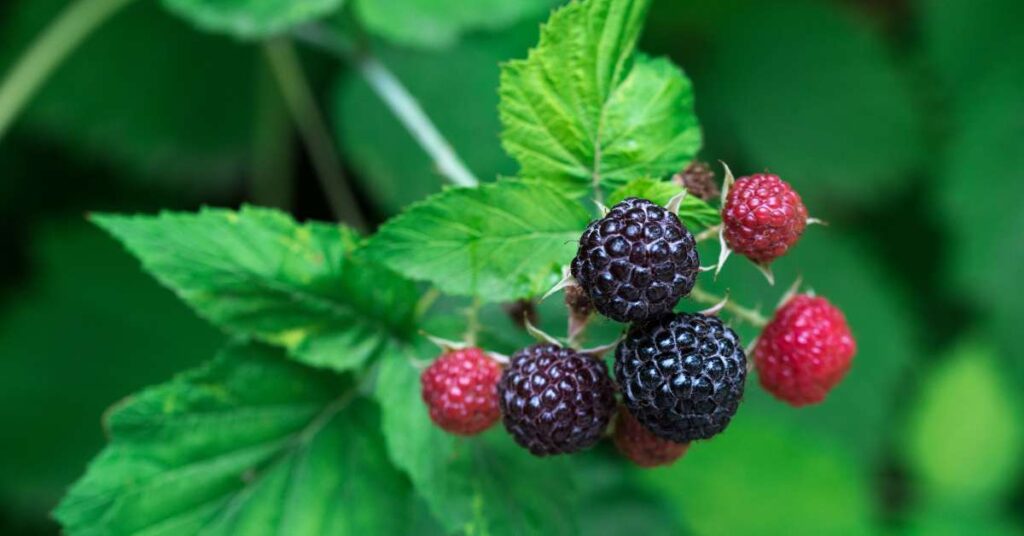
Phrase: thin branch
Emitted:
{"points": [[301, 103], [750, 316], [64, 34], [398, 99]]}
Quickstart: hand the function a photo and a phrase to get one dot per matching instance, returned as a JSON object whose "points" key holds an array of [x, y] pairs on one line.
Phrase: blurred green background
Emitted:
{"points": [[900, 121]]}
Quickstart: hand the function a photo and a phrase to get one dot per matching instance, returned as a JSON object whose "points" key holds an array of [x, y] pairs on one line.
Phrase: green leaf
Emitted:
{"points": [[965, 40], [436, 23], [251, 19], [821, 102], [583, 109], [483, 485], [66, 336], [784, 480], [965, 438], [258, 273], [696, 213], [134, 95], [248, 444], [393, 168], [499, 242]]}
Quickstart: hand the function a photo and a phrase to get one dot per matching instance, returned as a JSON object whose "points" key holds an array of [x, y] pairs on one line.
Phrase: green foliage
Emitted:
{"points": [[135, 95], [965, 439], [392, 166], [817, 100], [584, 109], [251, 19], [497, 242], [258, 273], [475, 486], [763, 478], [437, 23], [694, 212], [248, 444], [65, 337]]}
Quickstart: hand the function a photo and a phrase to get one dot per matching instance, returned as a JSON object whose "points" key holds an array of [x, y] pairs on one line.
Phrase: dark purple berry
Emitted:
{"points": [[681, 375], [636, 262], [555, 400]]}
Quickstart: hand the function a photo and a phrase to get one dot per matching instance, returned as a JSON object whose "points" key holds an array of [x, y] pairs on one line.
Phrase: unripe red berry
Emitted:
{"points": [[641, 446], [804, 351], [460, 390], [763, 217]]}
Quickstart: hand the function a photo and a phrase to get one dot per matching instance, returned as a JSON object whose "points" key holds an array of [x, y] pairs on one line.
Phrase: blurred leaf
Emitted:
{"points": [[694, 212], [858, 412], [392, 166], [981, 187], [251, 19], [69, 350], [135, 93], [584, 109], [481, 485], [436, 23], [499, 242], [817, 100], [965, 439], [953, 522], [613, 502], [248, 444], [965, 40], [256, 272], [760, 477]]}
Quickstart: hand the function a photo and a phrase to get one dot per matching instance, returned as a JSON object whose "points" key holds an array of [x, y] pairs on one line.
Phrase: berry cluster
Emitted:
{"points": [[680, 376]]}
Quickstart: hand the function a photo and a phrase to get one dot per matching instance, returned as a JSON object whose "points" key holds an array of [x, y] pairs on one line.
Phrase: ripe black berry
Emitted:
{"points": [[681, 375], [636, 262], [555, 400]]}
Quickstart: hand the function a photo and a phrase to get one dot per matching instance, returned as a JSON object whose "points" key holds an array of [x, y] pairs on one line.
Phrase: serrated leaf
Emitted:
{"points": [[251, 19], [787, 481], [583, 109], [482, 485], [248, 444], [436, 23], [967, 400], [256, 272], [64, 340], [696, 213], [499, 242]]}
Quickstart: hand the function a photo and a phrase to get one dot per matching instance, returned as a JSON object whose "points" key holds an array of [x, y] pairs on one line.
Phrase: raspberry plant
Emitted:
{"points": [[318, 415]]}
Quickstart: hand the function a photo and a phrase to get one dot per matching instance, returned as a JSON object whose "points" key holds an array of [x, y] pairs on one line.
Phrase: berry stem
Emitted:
{"points": [[301, 103], [397, 98], [707, 234], [751, 316]]}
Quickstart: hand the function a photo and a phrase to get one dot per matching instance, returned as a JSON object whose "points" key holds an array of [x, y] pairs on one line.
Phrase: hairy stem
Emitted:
{"points": [[64, 34], [301, 103], [750, 316], [398, 99]]}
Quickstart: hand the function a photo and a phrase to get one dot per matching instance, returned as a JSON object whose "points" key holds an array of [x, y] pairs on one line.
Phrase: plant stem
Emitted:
{"points": [[710, 232], [750, 316], [271, 171], [63, 35], [301, 103], [398, 99]]}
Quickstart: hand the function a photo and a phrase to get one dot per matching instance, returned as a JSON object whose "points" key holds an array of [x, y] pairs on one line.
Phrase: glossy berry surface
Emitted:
{"points": [[641, 446], [804, 351], [460, 390], [636, 262], [555, 400], [681, 375], [763, 217]]}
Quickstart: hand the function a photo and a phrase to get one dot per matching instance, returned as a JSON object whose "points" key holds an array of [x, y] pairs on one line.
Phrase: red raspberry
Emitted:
{"points": [[641, 446], [804, 351], [763, 217], [460, 389]]}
